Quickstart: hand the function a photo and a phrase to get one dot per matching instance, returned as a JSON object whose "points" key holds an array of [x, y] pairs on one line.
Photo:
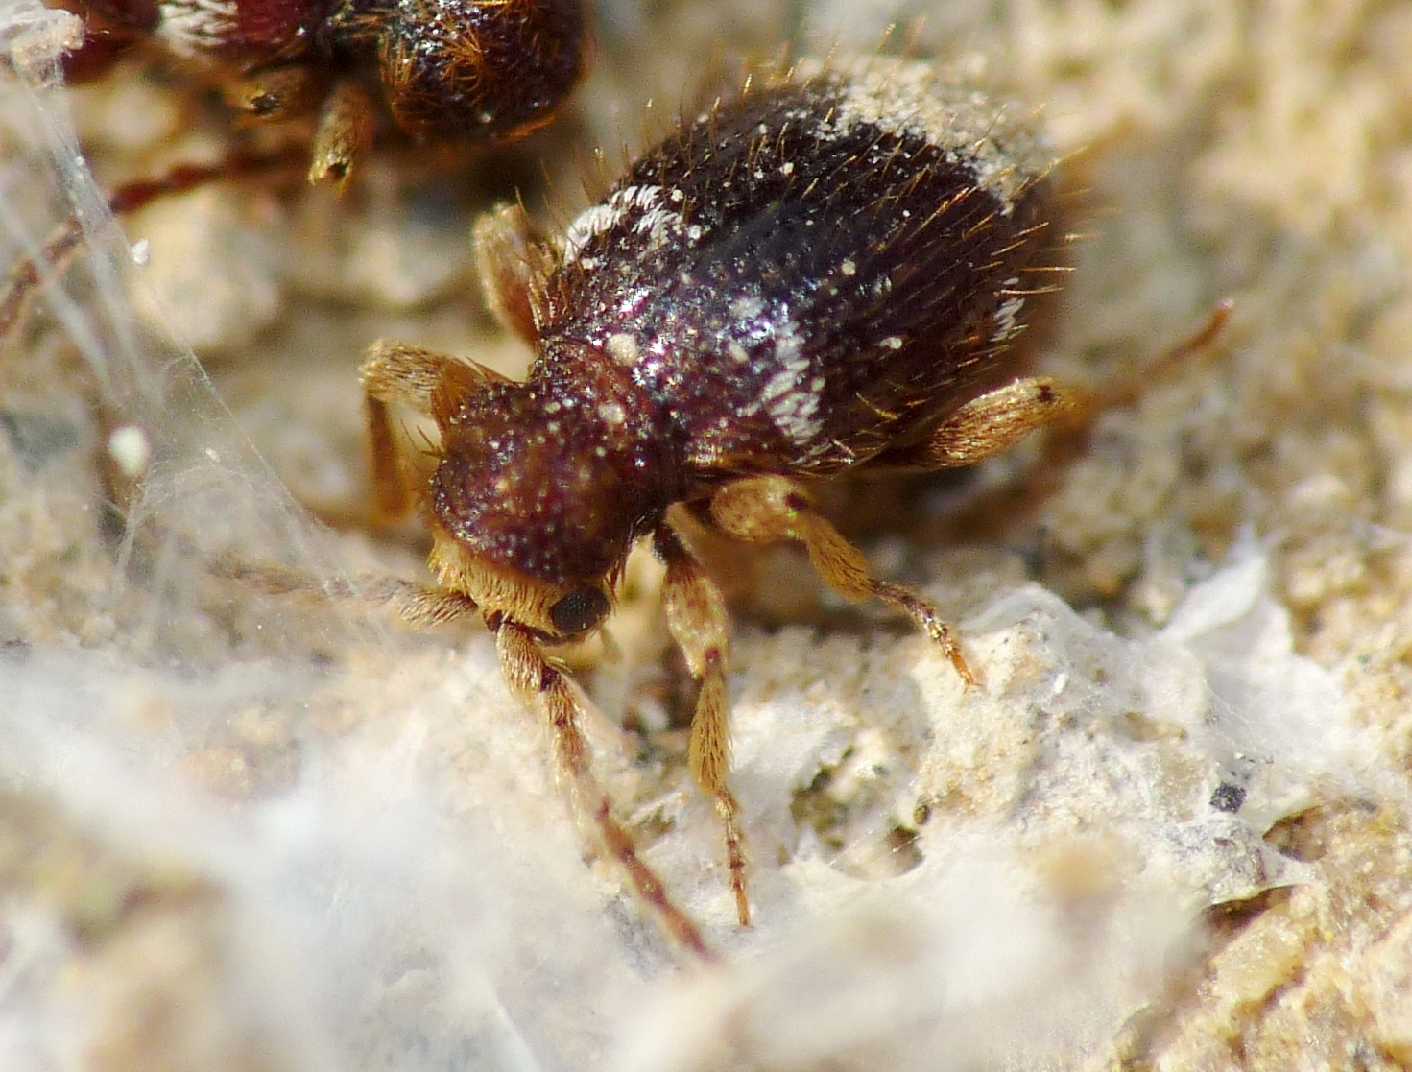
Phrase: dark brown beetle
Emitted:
{"points": [[449, 70], [821, 276], [472, 72]]}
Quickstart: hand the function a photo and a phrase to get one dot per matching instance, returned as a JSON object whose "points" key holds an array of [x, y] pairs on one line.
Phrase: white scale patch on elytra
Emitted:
{"points": [[655, 221], [194, 27], [747, 307], [791, 396]]}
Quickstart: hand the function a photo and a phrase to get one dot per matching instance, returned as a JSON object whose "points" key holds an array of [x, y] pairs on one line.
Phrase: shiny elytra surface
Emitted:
{"points": [[801, 280]]}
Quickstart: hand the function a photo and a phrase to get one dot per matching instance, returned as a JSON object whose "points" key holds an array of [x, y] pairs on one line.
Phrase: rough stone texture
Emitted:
{"points": [[1171, 830]]}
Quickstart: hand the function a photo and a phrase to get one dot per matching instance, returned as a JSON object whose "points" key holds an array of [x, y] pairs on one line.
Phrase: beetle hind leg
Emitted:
{"points": [[989, 425]]}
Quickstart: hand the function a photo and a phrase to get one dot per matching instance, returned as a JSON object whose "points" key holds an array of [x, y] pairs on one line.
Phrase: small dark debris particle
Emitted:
{"points": [[1228, 798]]}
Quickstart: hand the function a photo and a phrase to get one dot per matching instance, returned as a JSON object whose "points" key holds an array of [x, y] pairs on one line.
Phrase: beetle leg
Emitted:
{"points": [[344, 134], [773, 508], [696, 616], [513, 259], [536, 683], [431, 383], [996, 421], [989, 425], [542, 686], [275, 93]]}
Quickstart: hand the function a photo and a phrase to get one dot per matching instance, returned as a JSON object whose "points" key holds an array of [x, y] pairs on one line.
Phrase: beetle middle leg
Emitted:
{"points": [[774, 508], [696, 616], [513, 258]]}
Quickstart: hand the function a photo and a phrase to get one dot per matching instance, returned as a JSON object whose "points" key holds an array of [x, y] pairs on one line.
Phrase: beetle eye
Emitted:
{"points": [[579, 611]]}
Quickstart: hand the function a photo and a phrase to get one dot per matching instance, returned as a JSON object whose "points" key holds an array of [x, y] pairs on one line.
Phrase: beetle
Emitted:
{"points": [[472, 71], [822, 275]]}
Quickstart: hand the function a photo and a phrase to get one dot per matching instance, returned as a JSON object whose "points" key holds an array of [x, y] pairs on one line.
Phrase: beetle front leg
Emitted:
{"points": [[431, 383], [542, 686]]}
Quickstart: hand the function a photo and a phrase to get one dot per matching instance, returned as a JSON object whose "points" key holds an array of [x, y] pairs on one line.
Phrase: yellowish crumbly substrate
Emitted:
{"points": [[1171, 831]]}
